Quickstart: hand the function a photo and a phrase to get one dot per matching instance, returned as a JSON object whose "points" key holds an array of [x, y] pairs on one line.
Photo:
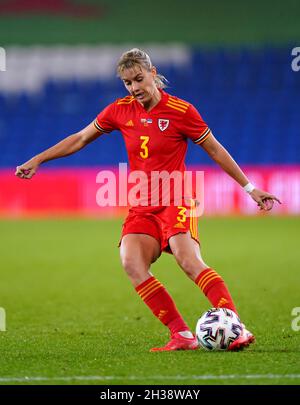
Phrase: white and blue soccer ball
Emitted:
{"points": [[218, 328]]}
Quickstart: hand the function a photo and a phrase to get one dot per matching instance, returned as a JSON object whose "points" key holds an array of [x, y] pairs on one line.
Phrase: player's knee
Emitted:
{"points": [[128, 264], [132, 266]]}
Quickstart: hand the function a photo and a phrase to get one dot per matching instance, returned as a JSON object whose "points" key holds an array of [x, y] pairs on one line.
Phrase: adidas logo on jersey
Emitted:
{"points": [[129, 124]]}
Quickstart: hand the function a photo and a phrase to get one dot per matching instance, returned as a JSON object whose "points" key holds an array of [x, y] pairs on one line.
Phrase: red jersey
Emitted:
{"points": [[155, 140]]}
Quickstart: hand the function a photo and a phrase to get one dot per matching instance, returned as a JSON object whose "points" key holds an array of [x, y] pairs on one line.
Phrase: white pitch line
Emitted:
{"points": [[156, 377]]}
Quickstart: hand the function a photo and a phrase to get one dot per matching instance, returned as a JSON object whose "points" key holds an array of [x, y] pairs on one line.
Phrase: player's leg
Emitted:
{"points": [[187, 254], [137, 252], [181, 237]]}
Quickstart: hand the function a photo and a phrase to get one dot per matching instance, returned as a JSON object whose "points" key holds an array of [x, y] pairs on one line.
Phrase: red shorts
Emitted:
{"points": [[162, 223]]}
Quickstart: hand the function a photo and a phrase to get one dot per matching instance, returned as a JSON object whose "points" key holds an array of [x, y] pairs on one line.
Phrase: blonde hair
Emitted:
{"points": [[135, 57]]}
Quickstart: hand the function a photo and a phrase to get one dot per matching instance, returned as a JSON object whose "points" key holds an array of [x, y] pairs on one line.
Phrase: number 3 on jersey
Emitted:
{"points": [[144, 153]]}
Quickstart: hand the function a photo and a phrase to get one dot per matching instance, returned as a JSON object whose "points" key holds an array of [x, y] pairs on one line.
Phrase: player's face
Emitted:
{"points": [[139, 82]]}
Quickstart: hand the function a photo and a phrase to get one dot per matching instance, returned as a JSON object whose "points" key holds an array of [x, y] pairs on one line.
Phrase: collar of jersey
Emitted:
{"points": [[164, 97]]}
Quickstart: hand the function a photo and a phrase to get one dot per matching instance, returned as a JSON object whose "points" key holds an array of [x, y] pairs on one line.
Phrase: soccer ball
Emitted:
{"points": [[218, 328]]}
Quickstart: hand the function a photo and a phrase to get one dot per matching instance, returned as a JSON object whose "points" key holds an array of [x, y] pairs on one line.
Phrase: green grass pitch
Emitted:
{"points": [[71, 312]]}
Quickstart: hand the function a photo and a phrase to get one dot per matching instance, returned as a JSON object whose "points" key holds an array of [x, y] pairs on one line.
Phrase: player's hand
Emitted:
{"points": [[265, 201], [27, 170]]}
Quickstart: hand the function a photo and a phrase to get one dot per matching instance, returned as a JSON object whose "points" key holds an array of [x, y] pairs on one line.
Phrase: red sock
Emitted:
{"points": [[154, 294], [215, 289]]}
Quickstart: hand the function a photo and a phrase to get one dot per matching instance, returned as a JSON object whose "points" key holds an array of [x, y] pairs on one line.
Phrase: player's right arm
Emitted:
{"points": [[66, 147]]}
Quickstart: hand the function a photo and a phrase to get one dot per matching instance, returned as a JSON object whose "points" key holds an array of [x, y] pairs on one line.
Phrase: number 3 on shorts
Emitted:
{"points": [[144, 153], [181, 214]]}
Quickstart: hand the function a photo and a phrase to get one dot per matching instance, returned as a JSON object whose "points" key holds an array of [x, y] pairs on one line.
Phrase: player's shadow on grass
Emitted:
{"points": [[274, 351]]}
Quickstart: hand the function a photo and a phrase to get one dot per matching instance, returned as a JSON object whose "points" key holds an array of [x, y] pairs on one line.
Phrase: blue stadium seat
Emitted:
{"points": [[248, 97]]}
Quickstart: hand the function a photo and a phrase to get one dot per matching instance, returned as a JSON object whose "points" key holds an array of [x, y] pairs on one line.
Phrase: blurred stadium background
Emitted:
{"points": [[232, 61], [70, 310]]}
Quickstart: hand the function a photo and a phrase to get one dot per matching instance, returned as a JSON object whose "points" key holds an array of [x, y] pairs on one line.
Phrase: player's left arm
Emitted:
{"points": [[222, 157]]}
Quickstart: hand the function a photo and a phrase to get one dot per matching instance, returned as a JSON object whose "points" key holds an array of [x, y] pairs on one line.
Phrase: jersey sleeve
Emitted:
{"points": [[106, 121], [194, 127]]}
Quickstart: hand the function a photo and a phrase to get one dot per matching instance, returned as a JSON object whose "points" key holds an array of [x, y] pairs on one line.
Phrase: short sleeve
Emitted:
{"points": [[194, 127], [106, 119]]}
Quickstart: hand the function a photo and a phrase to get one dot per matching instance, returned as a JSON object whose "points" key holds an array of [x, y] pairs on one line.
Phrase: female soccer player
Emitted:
{"points": [[155, 126]]}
